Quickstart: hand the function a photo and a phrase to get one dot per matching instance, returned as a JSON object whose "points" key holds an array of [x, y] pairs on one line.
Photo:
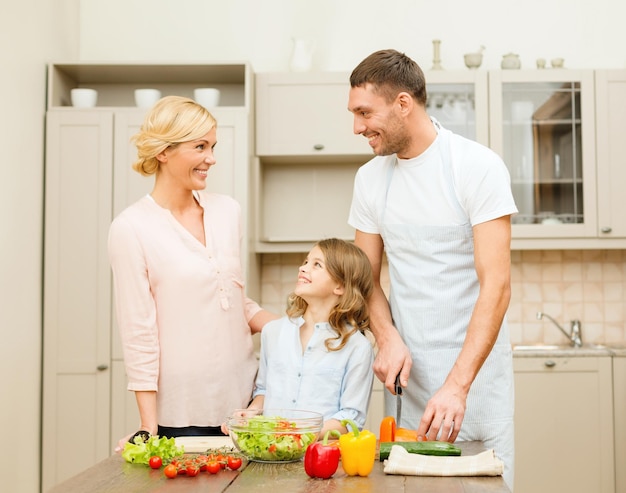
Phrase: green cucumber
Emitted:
{"points": [[432, 447]]}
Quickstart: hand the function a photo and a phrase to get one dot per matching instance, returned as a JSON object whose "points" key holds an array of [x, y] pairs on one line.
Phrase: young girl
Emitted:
{"points": [[317, 358]]}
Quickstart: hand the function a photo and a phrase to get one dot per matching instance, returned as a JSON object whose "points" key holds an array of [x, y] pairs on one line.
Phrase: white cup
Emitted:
{"points": [[209, 97], [146, 98], [83, 97]]}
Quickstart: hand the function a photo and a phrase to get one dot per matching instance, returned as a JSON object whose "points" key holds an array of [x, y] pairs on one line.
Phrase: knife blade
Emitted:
{"points": [[398, 389]]}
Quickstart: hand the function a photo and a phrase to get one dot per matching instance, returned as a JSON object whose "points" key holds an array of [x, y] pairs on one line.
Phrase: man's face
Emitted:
{"points": [[378, 120]]}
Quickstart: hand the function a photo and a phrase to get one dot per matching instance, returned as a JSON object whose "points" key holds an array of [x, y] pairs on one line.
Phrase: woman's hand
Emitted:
{"points": [[122, 442]]}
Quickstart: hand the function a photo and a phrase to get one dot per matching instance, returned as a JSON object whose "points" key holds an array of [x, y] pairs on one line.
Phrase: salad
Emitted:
{"points": [[272, 439]]}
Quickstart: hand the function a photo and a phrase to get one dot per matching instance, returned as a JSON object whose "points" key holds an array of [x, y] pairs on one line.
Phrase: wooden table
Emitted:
{"points": [[114, 475]]}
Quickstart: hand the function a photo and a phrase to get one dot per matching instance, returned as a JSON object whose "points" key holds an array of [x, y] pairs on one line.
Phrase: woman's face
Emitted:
{"points": [[188, 163], [314, 281]]}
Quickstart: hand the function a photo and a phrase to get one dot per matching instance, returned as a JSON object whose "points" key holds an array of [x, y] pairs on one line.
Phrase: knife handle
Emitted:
{"points": [[397, 386]]}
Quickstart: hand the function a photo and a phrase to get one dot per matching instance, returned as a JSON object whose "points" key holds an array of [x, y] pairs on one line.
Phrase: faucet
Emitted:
{"points": [[574, 336]]}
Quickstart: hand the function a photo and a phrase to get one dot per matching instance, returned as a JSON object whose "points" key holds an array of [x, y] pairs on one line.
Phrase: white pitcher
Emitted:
{"points": [[302, 55]]}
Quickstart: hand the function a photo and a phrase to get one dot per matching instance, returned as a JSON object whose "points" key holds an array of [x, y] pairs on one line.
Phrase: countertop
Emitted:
{"points": [[114, 475], [534, 350]]}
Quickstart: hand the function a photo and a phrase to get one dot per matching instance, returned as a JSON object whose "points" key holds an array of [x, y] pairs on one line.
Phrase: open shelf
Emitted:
{"points": [[116, 82]]}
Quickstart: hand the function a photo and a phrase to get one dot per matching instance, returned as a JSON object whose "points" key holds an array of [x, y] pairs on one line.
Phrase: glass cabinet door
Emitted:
{"points": [[542, 124], [458, 100]]}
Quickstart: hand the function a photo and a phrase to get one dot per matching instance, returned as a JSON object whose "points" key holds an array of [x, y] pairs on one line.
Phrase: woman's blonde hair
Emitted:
{"points": [[347, 264], [171, 121]]}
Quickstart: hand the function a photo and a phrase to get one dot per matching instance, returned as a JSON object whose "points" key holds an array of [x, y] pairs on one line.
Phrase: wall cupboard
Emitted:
{"points": [[611, 152], [86, 407], [556, 129], [308, 154]]}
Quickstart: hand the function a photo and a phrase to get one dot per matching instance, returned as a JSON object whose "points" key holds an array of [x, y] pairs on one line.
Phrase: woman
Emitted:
{"points": [[185, 323]]}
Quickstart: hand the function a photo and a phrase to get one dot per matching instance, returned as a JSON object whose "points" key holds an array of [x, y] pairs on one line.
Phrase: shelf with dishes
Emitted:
{"points": [[114, 84]]}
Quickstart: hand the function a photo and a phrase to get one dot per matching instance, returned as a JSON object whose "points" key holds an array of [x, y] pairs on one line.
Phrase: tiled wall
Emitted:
{"points": [[589, 285]]}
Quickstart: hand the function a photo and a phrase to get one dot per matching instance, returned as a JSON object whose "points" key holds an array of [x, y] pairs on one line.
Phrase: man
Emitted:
{"points": [[438, 205]]}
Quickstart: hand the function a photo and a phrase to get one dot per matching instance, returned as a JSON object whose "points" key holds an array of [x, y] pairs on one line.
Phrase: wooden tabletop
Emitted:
{"points": [[114, 475]]}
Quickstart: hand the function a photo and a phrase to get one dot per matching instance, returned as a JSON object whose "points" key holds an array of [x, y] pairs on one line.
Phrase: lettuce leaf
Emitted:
{"points": [[140, 452]]}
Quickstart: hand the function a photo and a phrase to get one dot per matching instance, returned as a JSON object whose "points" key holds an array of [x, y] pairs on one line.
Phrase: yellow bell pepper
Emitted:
{"points": [[358, 450]]}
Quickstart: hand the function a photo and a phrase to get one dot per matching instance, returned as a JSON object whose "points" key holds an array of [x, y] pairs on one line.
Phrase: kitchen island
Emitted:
{"points": [[114, 475]]}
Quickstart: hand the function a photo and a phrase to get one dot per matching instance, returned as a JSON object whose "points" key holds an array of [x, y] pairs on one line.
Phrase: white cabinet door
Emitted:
{"points": [[76, 371], [563, 425], [619, 399], [611, 152], [305, 114], [542, 124]]}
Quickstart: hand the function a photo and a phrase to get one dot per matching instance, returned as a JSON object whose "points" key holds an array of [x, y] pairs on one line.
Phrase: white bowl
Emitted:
{"points": [[83, 98], [209, 97], [473, 60], [557, 62], [146, 98]]}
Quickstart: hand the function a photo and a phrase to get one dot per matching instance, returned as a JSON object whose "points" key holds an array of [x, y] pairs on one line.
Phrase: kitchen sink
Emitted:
{"points": [[558, 347]]}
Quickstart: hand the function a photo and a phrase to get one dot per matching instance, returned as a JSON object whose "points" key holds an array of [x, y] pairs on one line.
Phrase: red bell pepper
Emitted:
{"points": [[321, 459]]}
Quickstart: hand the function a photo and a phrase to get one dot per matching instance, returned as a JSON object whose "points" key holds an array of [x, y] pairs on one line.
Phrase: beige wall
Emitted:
{"points": [[33, 32], [589, 285], [587, 34]]}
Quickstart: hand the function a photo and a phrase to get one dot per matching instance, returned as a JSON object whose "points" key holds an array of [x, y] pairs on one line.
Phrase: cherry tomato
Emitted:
{"points": [[234, 463], [202, 460], [155, 462], [213, 467], [170, 471], [192, 471]]}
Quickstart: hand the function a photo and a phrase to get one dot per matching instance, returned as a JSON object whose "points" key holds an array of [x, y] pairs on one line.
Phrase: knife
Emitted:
{"points": [[398, 389]]}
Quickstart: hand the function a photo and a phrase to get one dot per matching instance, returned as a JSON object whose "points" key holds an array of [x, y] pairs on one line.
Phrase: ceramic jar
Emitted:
{"points": [[510, 61]]}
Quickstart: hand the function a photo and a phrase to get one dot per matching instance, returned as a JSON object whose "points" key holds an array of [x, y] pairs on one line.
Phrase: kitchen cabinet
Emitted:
{"points": [[88, 181], [542, 124], [563, 424], [307, 153], [304, 114], [619, 413], [611, 153]]}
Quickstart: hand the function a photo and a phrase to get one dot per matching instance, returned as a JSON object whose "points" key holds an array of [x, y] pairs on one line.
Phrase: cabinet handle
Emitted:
{"points": [[318, 147], [549, 363], [102, 367], [606, 229]]}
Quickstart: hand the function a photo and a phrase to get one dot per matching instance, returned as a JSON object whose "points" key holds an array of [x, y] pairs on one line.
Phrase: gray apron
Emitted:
{"points": [[434, 288]]}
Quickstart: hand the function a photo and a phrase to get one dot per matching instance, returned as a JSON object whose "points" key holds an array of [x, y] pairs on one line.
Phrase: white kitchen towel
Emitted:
{"points": [[402, 462]]}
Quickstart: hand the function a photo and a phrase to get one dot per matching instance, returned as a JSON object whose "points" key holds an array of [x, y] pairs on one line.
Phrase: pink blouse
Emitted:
{"points": [[182, 312]]}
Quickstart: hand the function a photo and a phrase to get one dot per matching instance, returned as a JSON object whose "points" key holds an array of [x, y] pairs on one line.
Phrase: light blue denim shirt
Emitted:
{"points": [[336, 384]]}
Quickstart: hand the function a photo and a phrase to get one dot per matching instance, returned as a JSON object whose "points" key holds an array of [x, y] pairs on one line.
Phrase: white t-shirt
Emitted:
{"points": [[418, 191]]}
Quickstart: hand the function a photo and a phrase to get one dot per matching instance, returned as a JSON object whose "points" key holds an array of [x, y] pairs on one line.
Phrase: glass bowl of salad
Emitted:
{"points": [[274, 435]]}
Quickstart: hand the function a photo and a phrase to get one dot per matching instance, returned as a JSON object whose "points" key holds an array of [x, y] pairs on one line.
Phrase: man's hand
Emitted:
{"points": [[393, 357], [444, 414]]}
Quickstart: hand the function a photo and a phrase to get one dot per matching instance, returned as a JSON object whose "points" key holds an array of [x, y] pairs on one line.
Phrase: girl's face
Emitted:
{"points": [[188, 163], [314, 281]]}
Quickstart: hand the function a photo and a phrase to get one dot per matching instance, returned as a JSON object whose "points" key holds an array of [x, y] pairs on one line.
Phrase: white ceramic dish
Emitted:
{"points": [[83, 97]]}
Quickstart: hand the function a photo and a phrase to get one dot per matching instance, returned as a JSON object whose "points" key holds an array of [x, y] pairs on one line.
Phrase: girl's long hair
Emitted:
{"points": [[347, 264]]}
